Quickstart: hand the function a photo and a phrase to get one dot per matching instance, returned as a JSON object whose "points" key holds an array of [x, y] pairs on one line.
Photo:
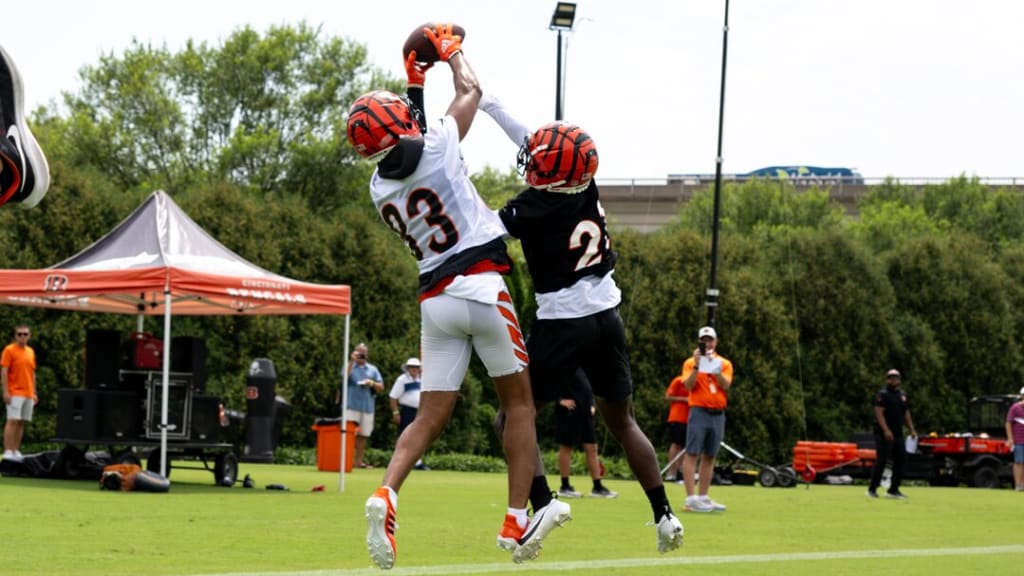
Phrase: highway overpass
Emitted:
{"points": [[647, 204]]}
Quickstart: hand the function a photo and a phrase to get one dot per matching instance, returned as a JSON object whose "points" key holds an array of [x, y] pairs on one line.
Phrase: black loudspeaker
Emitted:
{"points": [[188, 354], [205, 419], [76, 414], [179, 408], [102, 359], [120, 414]]}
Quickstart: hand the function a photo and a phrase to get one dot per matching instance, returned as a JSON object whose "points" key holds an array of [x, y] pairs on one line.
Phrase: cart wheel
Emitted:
{"points": [[127, 457], [153, 462], [768, 478], [786, 476], [984, 477], [225, 469], [69, 462]]}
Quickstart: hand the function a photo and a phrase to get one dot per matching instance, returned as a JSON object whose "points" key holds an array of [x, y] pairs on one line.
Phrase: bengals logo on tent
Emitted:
{"points": [[55, 283]]}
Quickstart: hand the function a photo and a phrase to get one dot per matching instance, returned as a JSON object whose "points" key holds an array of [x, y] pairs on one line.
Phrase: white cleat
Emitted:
{"points": [[670, 533], [555, 514]]}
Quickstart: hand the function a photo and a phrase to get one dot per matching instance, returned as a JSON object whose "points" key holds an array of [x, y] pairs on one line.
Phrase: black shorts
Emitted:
{"points": [[595, 343], [677, 433], [574, 427]]}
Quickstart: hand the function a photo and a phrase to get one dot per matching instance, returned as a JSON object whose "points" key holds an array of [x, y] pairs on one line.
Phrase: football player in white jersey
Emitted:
{"points": [[561, 226], [422, 192]]}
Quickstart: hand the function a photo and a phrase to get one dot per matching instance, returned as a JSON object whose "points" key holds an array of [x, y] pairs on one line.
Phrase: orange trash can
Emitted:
{"points": [[328, 444]]}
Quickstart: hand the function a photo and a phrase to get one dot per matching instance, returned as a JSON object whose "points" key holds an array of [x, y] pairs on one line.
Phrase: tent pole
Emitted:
{"points": [[343, 425], [165, 382]]}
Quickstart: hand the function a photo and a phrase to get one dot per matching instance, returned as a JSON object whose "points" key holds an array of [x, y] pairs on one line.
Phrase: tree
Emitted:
{"points": [[761, 204], [967, 303], [263, 112]]}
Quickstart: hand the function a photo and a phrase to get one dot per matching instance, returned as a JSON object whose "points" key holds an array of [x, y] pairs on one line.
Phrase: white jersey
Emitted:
{"points": [[436, 209]]}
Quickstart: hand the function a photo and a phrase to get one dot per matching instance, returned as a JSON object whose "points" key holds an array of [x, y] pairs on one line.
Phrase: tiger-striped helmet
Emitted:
{"points": [[558, 157], [377, 120]]}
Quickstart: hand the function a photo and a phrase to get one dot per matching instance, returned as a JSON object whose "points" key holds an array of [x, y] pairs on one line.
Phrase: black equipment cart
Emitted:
{"points": [[122, 413]]}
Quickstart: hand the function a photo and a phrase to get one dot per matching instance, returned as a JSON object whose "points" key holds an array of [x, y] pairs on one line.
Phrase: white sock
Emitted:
{"points": [[520, 514]]}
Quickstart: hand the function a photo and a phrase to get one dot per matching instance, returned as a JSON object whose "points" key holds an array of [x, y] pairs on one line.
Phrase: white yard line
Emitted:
{"points": [[673, 559]]}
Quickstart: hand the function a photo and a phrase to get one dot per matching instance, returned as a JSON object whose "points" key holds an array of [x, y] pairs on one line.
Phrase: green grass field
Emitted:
{"points": [[448, 521]]}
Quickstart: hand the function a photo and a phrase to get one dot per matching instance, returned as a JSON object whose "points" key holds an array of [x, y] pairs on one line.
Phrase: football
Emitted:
{"points": [[418, 41]]}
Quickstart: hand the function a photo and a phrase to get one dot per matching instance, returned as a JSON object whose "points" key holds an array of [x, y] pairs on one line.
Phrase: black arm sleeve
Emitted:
{"points": [[415, 95]]}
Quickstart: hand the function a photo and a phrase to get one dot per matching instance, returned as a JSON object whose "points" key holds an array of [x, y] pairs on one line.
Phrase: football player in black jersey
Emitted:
{"points": [[561, 225]]}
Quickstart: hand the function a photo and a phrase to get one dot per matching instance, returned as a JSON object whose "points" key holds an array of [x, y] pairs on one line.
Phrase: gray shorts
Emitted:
{"points": [[705, 431], [20, 408]]}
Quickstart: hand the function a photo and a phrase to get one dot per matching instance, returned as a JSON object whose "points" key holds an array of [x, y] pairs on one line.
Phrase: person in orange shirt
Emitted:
{"points": [[678, 398], [708, 377], [18, 380]]}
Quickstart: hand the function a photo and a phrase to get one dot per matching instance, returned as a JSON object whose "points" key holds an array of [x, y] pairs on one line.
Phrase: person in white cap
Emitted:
{"points": [[1015, 439], [405, 398], [892, 410], [708, 377]]}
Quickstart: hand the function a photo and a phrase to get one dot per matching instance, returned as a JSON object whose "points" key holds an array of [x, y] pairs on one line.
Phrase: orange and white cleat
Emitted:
{"points": [[381, 526], [510, 534]]}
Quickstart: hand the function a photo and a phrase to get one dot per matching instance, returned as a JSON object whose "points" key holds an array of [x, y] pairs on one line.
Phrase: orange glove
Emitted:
{"points": [[446, 43], [416, 72]]}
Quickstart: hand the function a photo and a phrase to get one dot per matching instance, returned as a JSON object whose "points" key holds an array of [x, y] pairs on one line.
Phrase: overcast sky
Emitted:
{"points": [[908, 88]]}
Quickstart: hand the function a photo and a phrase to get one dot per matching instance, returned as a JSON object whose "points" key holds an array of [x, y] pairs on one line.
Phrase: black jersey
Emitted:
{"points": [[894, 404], [564, 236]]}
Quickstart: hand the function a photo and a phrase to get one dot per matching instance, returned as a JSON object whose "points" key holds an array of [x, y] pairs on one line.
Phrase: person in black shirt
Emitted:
{"points": [[574, 425], [561, 226], [892, 410]]}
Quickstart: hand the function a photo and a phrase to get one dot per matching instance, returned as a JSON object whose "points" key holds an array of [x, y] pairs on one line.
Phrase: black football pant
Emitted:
{"points": [[884, 450]]}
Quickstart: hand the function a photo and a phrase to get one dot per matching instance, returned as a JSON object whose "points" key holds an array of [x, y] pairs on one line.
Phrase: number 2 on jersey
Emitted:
{"points": [[587, 235]]}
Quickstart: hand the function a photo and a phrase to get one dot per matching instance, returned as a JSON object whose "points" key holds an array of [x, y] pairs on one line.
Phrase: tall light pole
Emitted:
{"points": [[712, 293], [561, 20]]}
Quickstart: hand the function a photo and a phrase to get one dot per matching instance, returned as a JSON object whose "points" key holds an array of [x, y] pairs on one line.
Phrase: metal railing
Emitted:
{"points": [[682, 187], [1012, 181], [646, 204]]}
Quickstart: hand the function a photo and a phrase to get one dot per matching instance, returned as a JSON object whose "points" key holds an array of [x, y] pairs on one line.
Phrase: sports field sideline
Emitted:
{"points": [[448, 522]]}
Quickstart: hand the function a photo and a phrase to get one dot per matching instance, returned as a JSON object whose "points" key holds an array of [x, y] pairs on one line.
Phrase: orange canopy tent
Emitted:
{"points": [[158, 259]]}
